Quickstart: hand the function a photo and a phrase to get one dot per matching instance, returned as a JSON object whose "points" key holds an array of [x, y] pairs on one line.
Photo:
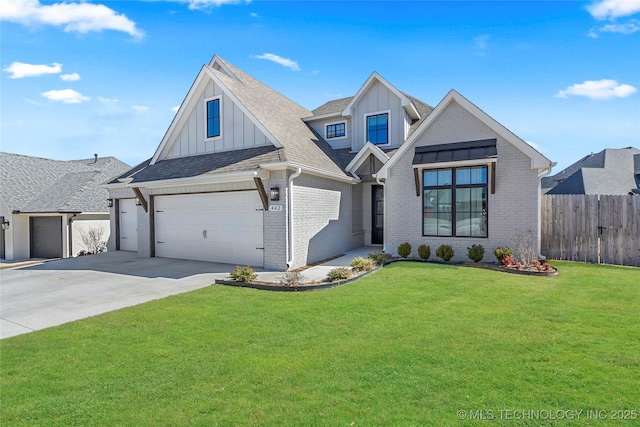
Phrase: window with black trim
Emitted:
{"points": [[455, 202], [213, 118], [336, 130], [378, 128]]}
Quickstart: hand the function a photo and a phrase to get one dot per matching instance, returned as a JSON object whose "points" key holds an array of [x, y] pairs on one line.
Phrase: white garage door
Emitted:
{"points": [[128, 225], [219, 227]]}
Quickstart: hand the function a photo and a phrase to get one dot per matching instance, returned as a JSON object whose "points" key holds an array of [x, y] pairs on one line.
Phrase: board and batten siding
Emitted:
{"points": [[237, 129], [513, 209], [336, 143], [378, 99]]}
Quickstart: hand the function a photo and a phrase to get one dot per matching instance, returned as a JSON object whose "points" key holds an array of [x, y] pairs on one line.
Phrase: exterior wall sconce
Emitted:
{"points": [[5, 225], [138, 202], [109, 203], [274, 194]]}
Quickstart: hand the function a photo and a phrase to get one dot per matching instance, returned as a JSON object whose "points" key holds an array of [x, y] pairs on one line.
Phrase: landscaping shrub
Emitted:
{"points": [[290, 278], [476, 252], [507, 261], [340, 273], [404, 250], [362, 264], [445, 252], [379, 257], [502, 252], [243, 274], [424, 252]]}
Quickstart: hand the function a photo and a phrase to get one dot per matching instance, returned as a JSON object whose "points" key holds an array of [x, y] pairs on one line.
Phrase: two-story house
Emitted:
{"points": [[244, 175]]}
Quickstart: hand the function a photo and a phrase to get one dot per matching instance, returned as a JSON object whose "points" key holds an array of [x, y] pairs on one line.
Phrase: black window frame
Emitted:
{"points": [[453, 186], [367, 130], [212, 118], [333, 133]]}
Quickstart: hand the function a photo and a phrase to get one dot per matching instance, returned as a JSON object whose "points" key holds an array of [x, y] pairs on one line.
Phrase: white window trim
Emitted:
{"points": [[377, 113], [338, 137], [206, 101]]}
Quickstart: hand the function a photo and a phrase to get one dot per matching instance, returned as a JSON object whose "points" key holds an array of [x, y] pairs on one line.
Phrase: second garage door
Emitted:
{"points": [[218, 227]]}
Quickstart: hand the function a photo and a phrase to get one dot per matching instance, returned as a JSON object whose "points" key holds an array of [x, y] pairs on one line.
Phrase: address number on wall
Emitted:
{"points": [[275, 208]]}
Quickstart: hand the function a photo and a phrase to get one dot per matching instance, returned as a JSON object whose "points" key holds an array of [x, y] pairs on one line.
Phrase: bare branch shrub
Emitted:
{"points": [[526, 247], [93, 240], [290, 278]]}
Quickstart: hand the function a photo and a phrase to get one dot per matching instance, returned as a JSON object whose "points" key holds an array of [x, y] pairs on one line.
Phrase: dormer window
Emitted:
{"points": [[213, 117], [335, 130], [377, 128]]}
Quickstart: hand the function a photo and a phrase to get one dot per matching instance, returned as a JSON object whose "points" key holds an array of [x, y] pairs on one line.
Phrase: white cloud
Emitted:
{"points": [[627, 28], [80, 17], [534, 145], [70, 77], [285, 62], [66, 96], [254, 15], [19, 70], [204, 4], [175, 109], [481, 41], [598, 89], [612, 9], [107, 100], [140, 108]]}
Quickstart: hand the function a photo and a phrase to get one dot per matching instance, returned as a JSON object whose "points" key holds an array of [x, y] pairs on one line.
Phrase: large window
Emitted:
{"points": [[213, 118], [378, 128], [455, 202], [335, 130]]}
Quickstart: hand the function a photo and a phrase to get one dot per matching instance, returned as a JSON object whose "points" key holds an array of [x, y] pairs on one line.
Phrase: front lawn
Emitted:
{"points": [[411, 344]]}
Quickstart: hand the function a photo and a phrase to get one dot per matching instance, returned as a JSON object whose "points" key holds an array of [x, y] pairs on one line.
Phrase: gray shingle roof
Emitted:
{"points": [[611, 171], [212, 163], [335, 106], [33, 184]]}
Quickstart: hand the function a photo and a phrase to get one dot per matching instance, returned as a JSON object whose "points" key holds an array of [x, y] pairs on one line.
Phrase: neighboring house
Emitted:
{"points": [[612, 171], [246, 176], [46, 204]]}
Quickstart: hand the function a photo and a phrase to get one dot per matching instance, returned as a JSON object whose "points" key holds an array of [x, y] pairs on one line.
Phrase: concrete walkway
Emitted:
{"points": [[37, 294]]}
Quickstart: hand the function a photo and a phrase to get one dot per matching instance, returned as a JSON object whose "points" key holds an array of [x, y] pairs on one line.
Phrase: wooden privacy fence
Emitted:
{"points": [[591, 228]]}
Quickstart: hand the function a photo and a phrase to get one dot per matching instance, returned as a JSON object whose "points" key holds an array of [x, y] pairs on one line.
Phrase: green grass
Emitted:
{"points": [[410, 344]]}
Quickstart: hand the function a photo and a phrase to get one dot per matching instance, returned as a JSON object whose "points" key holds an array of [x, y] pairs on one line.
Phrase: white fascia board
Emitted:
{"points": [[114, 185], [405, 102], [308, 170], [337, 114], [363, 153], [203, 179], [538, 161]]}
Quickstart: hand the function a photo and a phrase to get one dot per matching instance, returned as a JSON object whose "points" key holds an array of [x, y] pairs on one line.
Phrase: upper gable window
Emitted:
{"points": [[335, 130], [213, 117], [378, 128]]}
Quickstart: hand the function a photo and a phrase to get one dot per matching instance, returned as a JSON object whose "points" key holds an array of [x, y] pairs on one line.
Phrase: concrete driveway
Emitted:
{"points": [[56, 292]]}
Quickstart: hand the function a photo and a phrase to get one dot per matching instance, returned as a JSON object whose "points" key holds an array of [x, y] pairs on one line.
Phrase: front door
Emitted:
{"points": [[377, 210]]}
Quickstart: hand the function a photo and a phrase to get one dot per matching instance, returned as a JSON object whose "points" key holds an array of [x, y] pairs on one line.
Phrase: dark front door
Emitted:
{"points": [[46, 237], [377, 210]]}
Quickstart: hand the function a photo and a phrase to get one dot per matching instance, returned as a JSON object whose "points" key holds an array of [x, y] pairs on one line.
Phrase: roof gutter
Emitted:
{"points": [[309, 171], [194, 180], [546, 171]]}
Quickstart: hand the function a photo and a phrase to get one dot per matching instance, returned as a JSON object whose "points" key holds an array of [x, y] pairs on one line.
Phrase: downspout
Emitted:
{"points": [[545, 172], [290, 215], [70, 221], [384, 208]]}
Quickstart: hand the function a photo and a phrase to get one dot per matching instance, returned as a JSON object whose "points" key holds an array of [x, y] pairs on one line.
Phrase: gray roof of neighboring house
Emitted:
{"points": [[611, 171], [33, 184]]}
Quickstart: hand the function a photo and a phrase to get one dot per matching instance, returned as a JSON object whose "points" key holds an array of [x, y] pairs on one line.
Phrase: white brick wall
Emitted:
{"points": [[514, 207]]}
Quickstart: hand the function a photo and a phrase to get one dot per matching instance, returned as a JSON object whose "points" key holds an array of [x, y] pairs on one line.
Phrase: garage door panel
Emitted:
{"points": [[220, 227]]}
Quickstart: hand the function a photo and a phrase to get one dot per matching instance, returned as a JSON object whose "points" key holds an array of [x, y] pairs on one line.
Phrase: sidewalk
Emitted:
{"points": [[318, 273]]}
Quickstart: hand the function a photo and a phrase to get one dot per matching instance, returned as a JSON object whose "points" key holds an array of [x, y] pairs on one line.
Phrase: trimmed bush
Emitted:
{"points": [[445, 252], [404, 250], [243, 274], [476, 253], [362, 264], [340, 273], [379, 257], [424, 252], [290, 278], [502, 252]]}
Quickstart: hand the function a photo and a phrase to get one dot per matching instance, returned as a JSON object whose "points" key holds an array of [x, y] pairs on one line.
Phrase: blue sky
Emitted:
{"points": [[105, 77]]}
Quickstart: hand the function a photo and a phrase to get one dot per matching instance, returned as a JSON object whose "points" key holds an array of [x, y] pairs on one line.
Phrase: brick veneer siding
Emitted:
{"points": [[322, 219], [513, 208]]}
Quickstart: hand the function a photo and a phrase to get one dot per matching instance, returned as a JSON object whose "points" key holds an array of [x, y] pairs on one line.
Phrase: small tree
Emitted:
{"points": [[424, 252], [404, 250], [445, 252], [93, 240], [476, 253], [526, 247]]}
